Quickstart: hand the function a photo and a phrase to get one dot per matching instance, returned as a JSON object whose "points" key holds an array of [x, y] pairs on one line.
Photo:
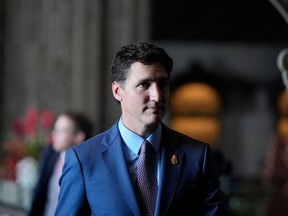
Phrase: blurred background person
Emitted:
{"points": [[275, 172], [71, 128]]}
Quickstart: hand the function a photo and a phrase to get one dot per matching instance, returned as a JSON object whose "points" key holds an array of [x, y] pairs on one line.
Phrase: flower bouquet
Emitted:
{"points": [[29, 135], [19, 156]]}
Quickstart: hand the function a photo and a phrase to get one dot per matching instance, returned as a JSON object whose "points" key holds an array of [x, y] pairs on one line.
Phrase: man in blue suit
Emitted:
{"points": [[100, 176]]}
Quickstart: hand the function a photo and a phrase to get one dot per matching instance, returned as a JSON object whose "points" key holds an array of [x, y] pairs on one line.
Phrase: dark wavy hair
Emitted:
{"points": [[143, 52]]}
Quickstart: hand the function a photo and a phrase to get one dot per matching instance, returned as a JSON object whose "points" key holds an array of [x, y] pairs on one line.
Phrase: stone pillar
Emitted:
{"points": [[21, 59], [127, 21], [53, 57], [87, 57], [58, 54]]}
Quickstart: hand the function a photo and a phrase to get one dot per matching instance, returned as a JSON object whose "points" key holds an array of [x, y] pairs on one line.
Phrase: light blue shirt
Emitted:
{"points": [[53, 186], [132, 147]]}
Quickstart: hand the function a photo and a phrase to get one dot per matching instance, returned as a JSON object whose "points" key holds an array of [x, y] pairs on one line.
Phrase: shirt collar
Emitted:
{"points": [[134, 141]]}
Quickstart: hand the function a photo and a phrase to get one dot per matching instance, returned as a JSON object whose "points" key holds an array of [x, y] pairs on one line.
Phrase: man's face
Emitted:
{"points": [[143, 96], [63, 134]]}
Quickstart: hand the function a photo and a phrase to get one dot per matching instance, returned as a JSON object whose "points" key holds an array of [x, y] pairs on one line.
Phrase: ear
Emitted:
{"points": [[80, 137], [116, 90]]}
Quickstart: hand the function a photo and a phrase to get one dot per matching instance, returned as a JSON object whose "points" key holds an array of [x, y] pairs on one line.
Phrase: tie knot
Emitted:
{"points": [[146, 147]]}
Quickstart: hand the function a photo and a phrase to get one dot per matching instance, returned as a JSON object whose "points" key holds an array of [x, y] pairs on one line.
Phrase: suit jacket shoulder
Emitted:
{"points": [[97, 144], [95, 174]]}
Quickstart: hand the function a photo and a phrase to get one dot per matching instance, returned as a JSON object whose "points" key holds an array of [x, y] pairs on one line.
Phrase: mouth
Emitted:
{"points": [[155, 109]]}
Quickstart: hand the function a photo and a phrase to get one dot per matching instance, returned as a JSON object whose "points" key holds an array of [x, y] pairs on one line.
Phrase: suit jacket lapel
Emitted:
{"points": [[116, 163], [169, 173]]}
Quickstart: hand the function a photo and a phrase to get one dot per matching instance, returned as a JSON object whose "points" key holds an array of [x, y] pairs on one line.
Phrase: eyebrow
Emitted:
{"points": [[157, 80]]}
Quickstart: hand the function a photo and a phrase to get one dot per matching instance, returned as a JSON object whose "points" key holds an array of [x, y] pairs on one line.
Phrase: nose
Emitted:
{"points": [[155, 93]]}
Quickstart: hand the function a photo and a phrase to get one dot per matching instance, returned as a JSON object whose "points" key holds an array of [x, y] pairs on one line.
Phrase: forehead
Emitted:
{"points": [[64, 121], [141, 71]]}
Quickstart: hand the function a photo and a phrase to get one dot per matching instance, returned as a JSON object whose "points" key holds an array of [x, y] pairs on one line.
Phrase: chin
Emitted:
{"points": [[57, 148], [156, 120]]}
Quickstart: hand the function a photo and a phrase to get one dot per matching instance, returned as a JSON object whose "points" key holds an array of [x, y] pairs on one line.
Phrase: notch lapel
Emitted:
{"points": [[169, 173], [116, 163]]}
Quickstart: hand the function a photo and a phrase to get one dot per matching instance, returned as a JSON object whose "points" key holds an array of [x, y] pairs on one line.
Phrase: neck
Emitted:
{"points": [[143, 131]]}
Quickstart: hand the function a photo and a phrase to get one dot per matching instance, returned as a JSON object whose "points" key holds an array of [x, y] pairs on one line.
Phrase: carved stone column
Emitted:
{"points": [[58, 54], [127, 21], [87, 58]]}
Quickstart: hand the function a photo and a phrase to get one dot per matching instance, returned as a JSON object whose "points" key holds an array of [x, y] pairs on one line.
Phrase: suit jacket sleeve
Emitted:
{"points": [[213, 197], [72, 198]]}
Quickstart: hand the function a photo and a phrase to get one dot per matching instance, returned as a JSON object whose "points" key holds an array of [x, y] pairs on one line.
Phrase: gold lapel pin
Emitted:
{"points": [[174, 160]]}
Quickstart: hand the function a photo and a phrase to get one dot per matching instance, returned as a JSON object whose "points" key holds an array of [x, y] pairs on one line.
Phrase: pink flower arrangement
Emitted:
{"points": [[30, 134]]}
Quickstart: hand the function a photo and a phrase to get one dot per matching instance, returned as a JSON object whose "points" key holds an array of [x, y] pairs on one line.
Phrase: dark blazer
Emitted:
{"points": [[47, 163], [96, 180]]}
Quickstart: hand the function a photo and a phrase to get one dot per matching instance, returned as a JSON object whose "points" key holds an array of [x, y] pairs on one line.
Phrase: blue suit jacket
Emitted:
{"points": [[96, 180]]}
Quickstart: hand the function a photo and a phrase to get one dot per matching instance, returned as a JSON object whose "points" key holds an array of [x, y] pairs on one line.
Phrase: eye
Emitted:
{"points": [[145, 85]]}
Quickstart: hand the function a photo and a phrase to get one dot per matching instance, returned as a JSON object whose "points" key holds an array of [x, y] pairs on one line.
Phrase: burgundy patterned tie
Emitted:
{"points": [[147, 185]]}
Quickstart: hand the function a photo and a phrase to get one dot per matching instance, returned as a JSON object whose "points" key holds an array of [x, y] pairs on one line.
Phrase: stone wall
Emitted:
{"points": [[57, 55]]}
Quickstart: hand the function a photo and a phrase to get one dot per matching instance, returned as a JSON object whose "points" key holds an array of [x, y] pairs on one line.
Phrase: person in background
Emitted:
{"points": [[70, 129], [140, 166], [275, 170]]}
